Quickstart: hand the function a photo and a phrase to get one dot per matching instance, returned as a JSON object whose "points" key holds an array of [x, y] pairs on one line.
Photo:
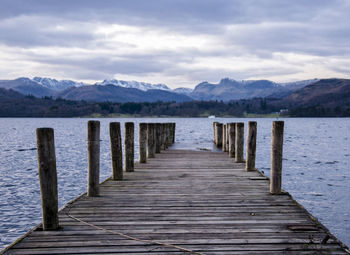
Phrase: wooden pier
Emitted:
{"points": [[197, 200], [179, 202]]}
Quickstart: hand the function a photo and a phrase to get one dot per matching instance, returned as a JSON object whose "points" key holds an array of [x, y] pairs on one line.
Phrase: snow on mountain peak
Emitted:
{"points": [[55, 84], [134, 84], [182, 90]]}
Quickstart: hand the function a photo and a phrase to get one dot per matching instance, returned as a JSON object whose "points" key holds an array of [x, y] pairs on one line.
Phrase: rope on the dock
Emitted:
{"points": [[132, 238]]}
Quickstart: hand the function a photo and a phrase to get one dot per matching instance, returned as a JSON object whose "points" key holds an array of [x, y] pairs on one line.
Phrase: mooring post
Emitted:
{"points": [[154, 138], [173, 135], [116, 151], [93, 142], [163, 137], [251, 146], [129, 146], [168, 130], [166, 125], [214, 131], [227, 140], [143, 142], [150, 141], [231, 139], [158, 137], [239, 142], [224, 133], [218, 134], [47, 177], [276, 157], [170, 133]]}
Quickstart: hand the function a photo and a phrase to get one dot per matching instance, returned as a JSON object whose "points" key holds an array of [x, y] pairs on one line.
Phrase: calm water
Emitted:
{"points": [[315, 167]]}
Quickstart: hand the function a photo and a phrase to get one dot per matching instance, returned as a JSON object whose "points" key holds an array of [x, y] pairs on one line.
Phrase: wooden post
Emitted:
{"points": [[239, 143], [224, 137], [168, 131], [219, 134], [129, 146], [173, 134], [276, 157], [143, 142], [93, 142], [158, 138], [227, 140], [251, 146], [154, 138], [214, 131], [150, 141], [116, 151], [47, 177], [163, 147], [231, 139]]}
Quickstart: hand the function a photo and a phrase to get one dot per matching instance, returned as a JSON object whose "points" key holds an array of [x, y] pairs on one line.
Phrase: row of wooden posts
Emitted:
{"points": [[153, 137], [230, 137]]}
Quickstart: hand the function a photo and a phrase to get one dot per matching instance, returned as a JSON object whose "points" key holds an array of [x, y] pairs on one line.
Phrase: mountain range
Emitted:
{"points": [[321, 98], [324, 98], [133, 91], [107, 90]]}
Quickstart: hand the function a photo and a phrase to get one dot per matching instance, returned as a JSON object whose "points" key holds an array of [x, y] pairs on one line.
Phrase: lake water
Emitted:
{"points": [[315, 168]]}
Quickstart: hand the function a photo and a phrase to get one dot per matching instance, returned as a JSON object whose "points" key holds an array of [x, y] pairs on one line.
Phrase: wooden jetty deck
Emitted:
{"points": [[198, 200]]}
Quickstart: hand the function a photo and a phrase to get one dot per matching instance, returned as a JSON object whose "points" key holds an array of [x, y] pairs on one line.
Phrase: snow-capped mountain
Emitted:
{"points": [[227, 89], [134, 84], [55, 84], [182, 90]]}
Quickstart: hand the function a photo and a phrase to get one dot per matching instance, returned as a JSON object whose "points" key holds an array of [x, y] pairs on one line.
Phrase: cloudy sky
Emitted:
{"points": [[176, 42]]}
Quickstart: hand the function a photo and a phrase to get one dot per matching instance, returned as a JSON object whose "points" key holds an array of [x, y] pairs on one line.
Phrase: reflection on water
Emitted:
{"points": [[315, 166]]}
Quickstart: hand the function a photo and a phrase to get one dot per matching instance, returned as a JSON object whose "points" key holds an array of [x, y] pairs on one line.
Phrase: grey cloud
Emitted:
{"points": [[263, 27], [306, 23], [29, 31], [100, 67], [181, 13], [262, 39], [198, 16], [342, 69]]}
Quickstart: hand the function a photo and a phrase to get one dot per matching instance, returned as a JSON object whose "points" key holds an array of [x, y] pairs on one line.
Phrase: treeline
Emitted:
{"points": [[319, 111], [30, 106]]}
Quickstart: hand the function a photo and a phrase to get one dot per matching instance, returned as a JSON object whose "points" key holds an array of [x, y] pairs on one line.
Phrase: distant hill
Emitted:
{"points": [[326, 92], [229, 89], [112, 93], [291, 87], [9, 94]]}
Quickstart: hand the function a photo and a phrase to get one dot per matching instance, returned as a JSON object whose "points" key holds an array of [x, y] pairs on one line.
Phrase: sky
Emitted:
{"points": [[176, 42]]}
